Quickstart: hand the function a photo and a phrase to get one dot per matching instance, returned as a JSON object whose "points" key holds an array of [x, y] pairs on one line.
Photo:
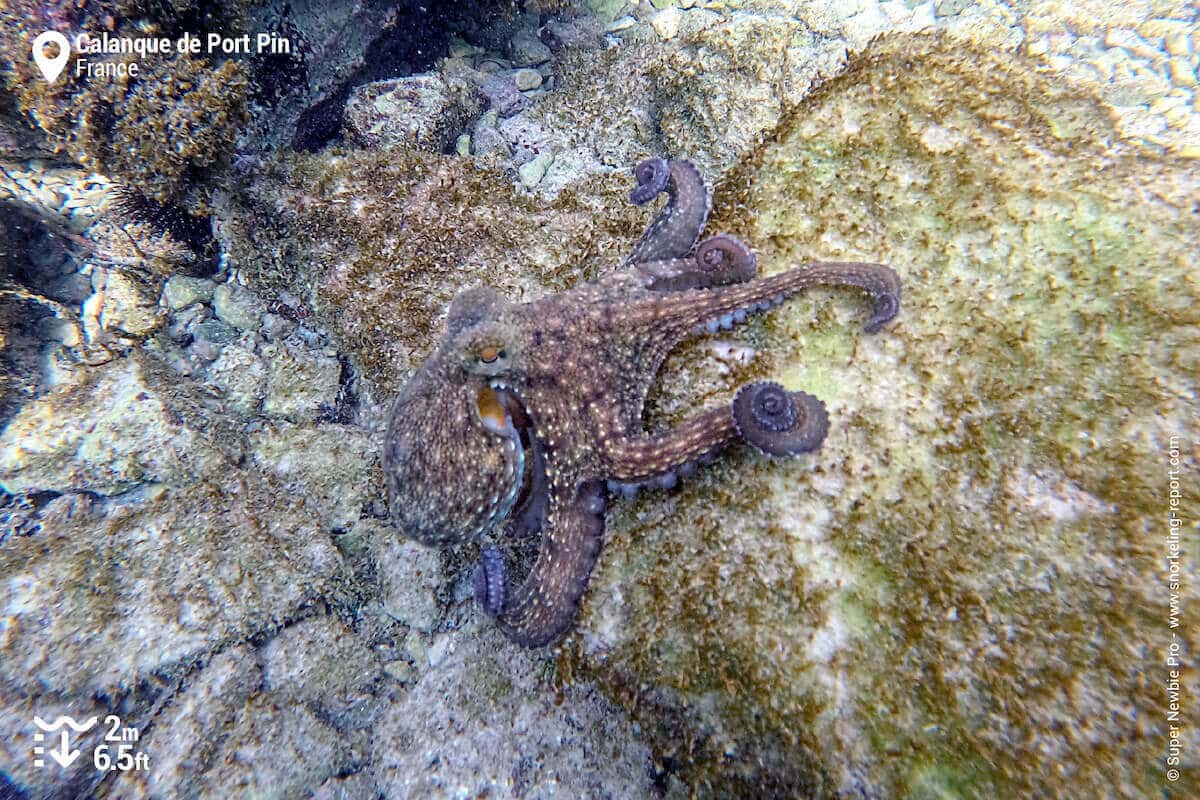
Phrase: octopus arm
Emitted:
{"points": [[686, 311], [679, 224], [646, 458], [542, 608], [718, 261]]}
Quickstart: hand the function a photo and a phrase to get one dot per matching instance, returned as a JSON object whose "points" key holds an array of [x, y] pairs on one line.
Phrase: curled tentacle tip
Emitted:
{"points": [[652, 176], [729, 255], [887, 306], [779, 422], [488, 581]]}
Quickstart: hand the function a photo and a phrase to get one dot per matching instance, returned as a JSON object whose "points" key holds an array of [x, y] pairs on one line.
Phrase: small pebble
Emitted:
{"points": [[532, 172], [182, 291], [237, 307], [620, 24], [526, 48], [666, 23], [527, 79], [214, 331]]}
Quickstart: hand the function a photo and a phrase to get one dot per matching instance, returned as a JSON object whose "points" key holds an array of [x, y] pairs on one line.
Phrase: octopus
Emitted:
{"points": [[527, 417]]}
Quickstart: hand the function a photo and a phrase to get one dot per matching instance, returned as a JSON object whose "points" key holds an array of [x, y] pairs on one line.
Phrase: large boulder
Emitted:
{"points": [[963, 591]]}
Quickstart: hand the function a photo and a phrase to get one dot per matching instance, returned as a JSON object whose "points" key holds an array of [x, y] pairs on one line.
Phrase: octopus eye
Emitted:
{"points": [[489, 355]]}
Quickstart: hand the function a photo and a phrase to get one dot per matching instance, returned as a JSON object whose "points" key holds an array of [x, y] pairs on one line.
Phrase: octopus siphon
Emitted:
{"points": [[529, 415]]}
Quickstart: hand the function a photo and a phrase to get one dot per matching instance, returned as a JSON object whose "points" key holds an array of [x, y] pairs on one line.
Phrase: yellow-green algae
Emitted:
{"points": [[962, 594]]}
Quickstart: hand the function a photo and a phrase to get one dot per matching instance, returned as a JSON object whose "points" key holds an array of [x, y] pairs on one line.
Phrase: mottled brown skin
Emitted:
{"points": [[527, 412]]}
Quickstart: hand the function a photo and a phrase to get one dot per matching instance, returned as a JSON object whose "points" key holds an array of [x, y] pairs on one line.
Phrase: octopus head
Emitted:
{"points": [[454, 458], [492, 350]]}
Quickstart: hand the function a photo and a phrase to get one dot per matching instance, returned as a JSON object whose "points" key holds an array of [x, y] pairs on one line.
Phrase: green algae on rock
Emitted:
{"points": [[961, 593]]}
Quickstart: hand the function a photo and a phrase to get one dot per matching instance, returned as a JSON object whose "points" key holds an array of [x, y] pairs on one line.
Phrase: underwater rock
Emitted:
{"points": [[500, 731], [727, 84], [237, 307], [532, 172], [962, 592], [271, 747], [527, 79], [601, 116], [213, 332], [242, 376], [409, 573], [182, 291], [300, 384], [123, 305], [503, 94], [332, 43], [526, 49], [423, 111], [322, 663], [160, 552], [185, 739], [116, 426], [408, 230], [157, 131], [336, 466], [666, 22], [111, 590]]}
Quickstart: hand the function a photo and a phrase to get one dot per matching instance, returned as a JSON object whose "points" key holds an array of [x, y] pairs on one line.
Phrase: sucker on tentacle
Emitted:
{"points": [[488, 581], [526, 413]]}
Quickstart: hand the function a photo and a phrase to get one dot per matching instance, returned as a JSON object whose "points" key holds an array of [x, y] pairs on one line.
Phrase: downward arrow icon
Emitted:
{"points": [[64, 755]]}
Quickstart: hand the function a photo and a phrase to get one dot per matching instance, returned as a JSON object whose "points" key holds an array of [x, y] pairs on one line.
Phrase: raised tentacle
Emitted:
{"points": [[543, 607], [779, 422], [718, 261], [679, 224]]}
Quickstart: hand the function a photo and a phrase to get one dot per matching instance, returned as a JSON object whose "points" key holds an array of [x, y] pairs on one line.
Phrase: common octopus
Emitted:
{"points": [[528, 414]]}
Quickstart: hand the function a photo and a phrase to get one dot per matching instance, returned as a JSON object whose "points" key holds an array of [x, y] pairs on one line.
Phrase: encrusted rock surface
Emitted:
{"points": [[960, 594], [565, 743], [121, 425], [422, 111]]}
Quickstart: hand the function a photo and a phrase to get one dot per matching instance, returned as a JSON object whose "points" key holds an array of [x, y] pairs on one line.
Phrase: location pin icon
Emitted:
{"points": [[51, 67]]}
